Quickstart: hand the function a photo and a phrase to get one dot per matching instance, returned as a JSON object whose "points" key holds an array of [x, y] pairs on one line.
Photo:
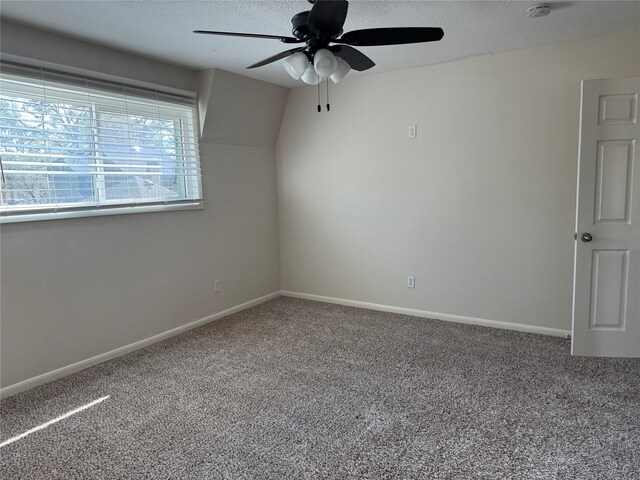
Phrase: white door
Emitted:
{"points": [[606, 284]]}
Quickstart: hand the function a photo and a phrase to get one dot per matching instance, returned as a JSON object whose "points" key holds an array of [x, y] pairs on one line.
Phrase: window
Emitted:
{"points": [[71, 146]]}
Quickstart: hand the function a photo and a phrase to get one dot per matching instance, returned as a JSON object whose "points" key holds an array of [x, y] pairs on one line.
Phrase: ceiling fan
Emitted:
{"points": [[324, 55]]}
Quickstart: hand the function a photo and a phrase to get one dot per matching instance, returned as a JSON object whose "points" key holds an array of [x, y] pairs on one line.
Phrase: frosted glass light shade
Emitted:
{"points": [[324, 62], [310, 76], [341, 71], [296, 64]]}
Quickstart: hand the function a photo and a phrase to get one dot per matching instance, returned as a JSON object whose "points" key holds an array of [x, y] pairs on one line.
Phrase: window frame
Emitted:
{"points": [[135, 105]]}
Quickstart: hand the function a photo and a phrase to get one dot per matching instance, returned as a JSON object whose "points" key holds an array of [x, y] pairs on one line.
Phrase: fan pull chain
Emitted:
{"points": [[319, 107], [328, 105]]}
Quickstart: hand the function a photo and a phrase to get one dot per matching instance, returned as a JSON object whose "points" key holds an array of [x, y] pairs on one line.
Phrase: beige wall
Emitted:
{"points": [[20, 43], [72, 289], [480, 207]]}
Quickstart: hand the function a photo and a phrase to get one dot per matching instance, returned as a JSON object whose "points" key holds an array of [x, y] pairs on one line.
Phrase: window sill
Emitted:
{"points": [[70, 213]]}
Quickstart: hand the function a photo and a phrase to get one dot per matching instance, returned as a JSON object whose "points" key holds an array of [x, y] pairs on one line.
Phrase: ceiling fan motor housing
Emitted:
{"points": [[300, 28]]}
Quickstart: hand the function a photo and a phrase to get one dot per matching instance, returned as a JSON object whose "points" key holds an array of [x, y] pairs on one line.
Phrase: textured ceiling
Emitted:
{"points": [[162, 29]]}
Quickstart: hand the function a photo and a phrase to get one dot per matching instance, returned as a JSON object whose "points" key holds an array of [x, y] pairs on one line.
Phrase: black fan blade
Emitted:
{"points": [[327, 17], [276, 57], [251, 35], [356, 60], [372, 37]]}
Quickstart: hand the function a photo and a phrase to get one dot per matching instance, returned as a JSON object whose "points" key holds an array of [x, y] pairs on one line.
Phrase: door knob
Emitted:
{"points": [[586, 237]]}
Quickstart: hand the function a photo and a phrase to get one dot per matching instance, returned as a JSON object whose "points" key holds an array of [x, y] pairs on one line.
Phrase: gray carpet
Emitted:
{"points": [[299, 389]]}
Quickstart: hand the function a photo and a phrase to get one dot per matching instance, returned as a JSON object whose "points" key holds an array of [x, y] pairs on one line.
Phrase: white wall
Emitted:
{"points": [[480, 207], [73, 289]]}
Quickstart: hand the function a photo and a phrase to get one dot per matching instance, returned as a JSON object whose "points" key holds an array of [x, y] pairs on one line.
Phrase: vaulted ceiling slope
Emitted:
{"points": [[163, 29]]}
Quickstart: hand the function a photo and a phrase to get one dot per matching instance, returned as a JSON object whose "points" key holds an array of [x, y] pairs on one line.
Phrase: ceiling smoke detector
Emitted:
{"points": [[539, 10]]}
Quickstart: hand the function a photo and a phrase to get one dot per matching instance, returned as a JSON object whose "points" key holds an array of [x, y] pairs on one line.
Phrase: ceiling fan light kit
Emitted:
{"points": [[296, 65], [310, 77], [341, 71], [324, 63], [328, 53]]}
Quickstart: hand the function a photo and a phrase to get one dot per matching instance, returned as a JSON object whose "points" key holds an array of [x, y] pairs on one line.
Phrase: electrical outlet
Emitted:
{"points": [[216, 286], [413, 131], [411, 281]]}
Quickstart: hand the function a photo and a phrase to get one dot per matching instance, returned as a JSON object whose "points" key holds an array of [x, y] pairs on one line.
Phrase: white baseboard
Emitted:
{"points": [[89, 362], [438, 316], [103, 357]]}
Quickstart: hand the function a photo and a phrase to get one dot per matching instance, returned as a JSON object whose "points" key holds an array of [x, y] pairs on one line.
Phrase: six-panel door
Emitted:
{"points": [[606, 310]]}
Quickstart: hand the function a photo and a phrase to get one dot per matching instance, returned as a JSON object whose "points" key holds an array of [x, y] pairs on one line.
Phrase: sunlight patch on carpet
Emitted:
{"points": [[54, 420]]}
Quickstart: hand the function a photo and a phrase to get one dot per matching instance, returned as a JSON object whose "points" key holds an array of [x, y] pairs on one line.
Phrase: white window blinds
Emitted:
{"points": [[70, 143]]}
